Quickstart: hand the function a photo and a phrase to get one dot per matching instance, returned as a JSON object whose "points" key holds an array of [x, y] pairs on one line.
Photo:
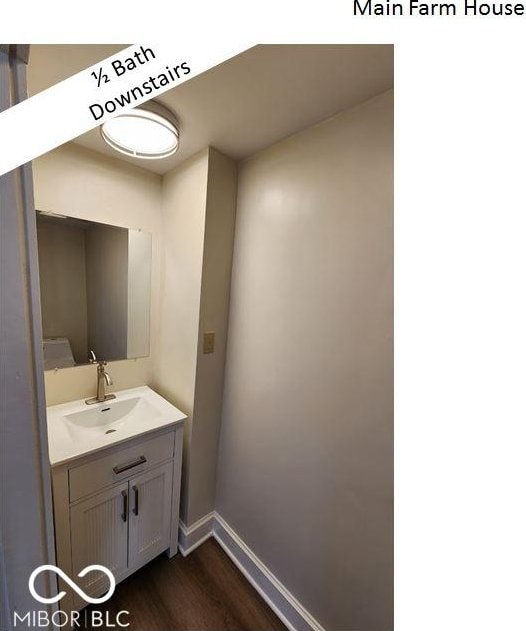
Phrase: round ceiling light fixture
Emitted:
{"points": [[148, 131]]}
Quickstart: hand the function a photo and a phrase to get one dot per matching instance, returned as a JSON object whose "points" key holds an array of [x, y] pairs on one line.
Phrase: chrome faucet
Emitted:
{"points": [[103, 380]]}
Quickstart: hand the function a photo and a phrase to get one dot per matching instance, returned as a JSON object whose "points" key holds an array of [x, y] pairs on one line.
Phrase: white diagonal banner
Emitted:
{"points": [[85, 100]]}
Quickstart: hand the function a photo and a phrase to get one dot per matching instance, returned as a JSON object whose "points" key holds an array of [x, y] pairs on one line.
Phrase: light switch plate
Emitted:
{"points": [[209, 342]]}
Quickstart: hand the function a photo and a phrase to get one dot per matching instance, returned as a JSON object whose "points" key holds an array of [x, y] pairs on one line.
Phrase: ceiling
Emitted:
{"points": [[245, 104]]}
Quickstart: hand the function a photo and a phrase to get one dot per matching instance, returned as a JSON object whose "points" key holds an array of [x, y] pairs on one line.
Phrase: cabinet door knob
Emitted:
{"points": [[124, 505], [135, 489]]}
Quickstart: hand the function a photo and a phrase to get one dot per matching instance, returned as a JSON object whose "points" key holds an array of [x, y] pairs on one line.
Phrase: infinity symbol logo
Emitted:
{"points": [[74, 586]]}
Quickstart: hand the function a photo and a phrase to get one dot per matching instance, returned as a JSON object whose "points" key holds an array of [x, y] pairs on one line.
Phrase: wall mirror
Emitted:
{"points": [[95, 290]]}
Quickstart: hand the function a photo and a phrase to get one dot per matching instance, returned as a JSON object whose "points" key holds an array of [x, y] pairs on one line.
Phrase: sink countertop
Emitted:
{"points": [[76, 429]]}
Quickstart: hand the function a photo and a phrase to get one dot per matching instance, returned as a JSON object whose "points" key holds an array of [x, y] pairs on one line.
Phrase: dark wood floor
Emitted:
{"points": [[203, 591]]}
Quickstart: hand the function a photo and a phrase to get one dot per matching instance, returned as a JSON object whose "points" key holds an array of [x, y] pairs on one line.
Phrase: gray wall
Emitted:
{"points": [[306, 449]]}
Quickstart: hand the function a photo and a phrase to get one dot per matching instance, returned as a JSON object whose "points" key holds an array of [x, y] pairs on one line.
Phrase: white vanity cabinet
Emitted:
{"points": [[118, 507]]}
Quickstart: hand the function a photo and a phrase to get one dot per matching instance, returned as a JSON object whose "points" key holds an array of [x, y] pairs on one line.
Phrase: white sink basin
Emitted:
{"points": [[109, 417], [75, 429]]}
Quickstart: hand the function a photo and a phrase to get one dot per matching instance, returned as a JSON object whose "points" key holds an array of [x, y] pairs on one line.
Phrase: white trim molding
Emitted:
{"points": [[288, 609], [190, 537]]}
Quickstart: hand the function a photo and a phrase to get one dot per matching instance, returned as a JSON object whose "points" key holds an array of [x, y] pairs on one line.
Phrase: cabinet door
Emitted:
{"points": [[150, 514], [99, 535]]}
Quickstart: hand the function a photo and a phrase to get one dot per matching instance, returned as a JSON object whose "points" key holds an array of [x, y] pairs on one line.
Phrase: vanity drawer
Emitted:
{"points": [[119, 465]]}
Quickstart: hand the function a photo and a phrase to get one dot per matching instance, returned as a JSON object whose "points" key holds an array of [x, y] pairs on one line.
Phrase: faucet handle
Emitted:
{"points": [[92, 358]]}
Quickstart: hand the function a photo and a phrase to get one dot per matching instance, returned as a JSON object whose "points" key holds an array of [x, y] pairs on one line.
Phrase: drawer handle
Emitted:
{"points": [[124, 505], [120, 468], [135, 489]]}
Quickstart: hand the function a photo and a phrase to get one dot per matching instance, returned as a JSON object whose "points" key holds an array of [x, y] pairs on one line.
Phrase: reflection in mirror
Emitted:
{"points": [[95, 290]]}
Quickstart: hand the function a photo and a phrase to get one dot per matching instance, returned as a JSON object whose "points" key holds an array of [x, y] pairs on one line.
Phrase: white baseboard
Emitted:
{"points": [[190, 537], [290, 611]]}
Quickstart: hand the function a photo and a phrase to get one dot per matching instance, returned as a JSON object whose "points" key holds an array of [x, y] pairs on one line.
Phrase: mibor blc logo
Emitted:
{"points": [[70, 619], [65, 577]]}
